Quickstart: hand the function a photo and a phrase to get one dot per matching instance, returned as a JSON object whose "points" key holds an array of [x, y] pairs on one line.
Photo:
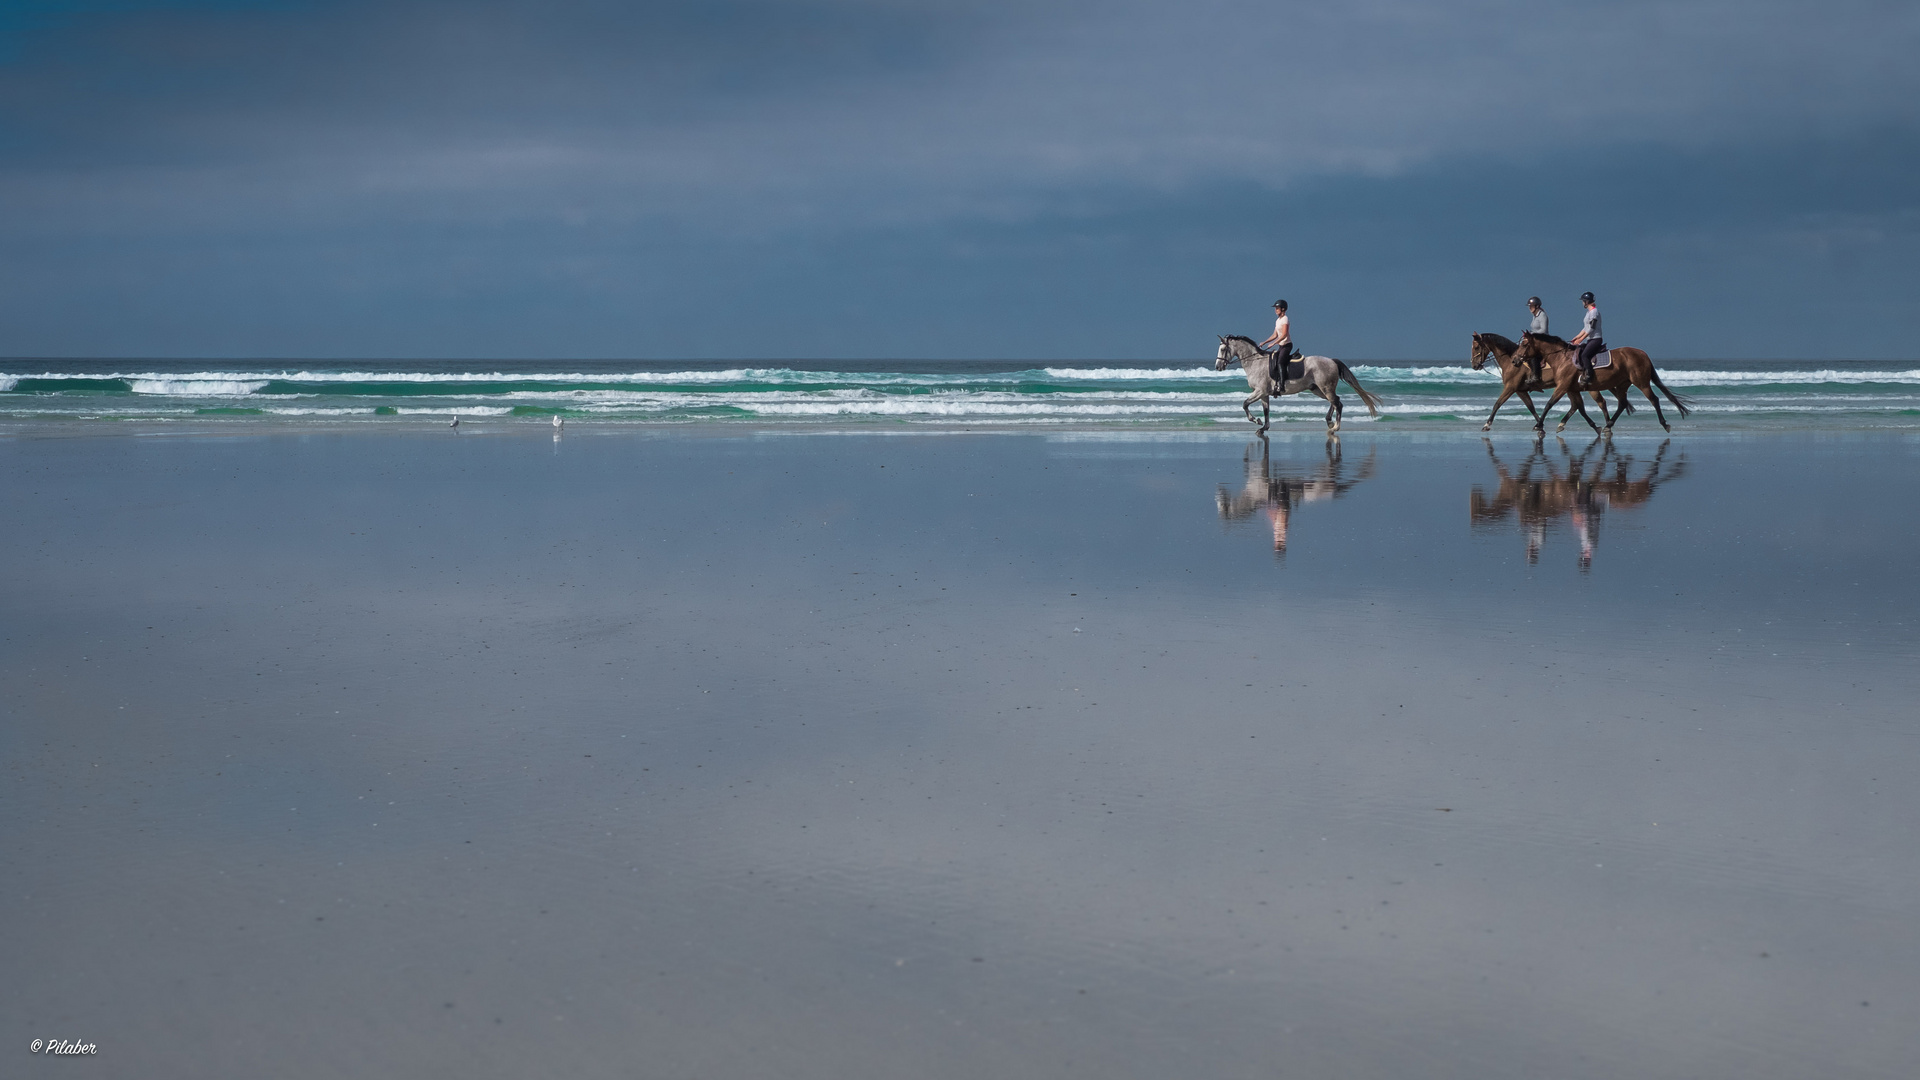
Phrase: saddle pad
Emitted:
{"points": [[1603, 359]]}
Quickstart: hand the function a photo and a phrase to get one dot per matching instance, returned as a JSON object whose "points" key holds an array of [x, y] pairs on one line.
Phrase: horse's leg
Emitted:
{"points": [[1601, 400], [1621, 405], [1581, 404], [1247, 407], [1576, 401], [1573, 402], [1540, 421], [1527, 400], [1647, 389], [1505, 393], [1266, 413], [1334, 409]]}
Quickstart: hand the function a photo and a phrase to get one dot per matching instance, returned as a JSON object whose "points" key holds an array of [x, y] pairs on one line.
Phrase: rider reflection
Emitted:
{"points": [[1541, 490], [1277, 492]]}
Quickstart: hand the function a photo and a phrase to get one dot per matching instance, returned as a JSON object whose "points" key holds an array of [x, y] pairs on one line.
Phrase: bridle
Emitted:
{"points": [[1228, 354]]}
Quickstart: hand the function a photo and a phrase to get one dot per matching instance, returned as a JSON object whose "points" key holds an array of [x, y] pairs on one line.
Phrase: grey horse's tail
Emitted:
{"points": [[1684, 404], [1372, 402]]}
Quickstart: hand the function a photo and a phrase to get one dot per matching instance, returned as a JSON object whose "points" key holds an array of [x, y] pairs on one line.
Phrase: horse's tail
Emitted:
{"points": [[1372, 402], [1684, 404]]}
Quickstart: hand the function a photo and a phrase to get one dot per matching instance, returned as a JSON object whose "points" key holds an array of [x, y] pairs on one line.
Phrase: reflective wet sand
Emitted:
{"points": [[850, 754]]}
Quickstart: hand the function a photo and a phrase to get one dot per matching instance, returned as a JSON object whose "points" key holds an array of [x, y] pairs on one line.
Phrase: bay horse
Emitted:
{"points": [[1518, 378], [1630, 367], [1318, 375]]}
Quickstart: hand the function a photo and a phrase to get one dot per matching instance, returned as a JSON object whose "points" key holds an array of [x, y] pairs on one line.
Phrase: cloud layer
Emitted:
{"points": [[620, 179]]}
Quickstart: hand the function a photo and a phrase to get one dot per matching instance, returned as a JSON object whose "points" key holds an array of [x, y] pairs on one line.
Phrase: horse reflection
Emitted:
{"points": [[1276, 492], [1541, 490]]}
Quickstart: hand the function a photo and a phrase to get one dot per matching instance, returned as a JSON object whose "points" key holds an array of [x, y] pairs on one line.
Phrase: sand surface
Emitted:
{"points": [[839, 754]]}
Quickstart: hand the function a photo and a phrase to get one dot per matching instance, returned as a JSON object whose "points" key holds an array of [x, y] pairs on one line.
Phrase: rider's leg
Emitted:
{"points": [[1584, 360]]}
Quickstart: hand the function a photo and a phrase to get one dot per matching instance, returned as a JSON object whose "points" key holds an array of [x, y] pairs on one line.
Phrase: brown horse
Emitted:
{"points": [[1630, 367], [1518, 378]]}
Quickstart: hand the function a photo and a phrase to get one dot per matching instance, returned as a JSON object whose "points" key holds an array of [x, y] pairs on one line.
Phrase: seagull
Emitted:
{"points": [[557, 422], [456, 422]]}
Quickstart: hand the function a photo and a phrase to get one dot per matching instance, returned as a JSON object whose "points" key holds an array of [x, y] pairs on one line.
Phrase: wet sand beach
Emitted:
{"points": [[755, 752]]}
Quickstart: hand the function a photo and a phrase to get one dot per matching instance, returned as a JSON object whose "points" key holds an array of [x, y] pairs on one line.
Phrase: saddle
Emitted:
{"points": [[1276, 363]]}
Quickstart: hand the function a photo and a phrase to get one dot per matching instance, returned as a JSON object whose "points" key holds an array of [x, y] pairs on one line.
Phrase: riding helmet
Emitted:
{"points": [[1586, 298], [1281, 304], [1533, 301]]}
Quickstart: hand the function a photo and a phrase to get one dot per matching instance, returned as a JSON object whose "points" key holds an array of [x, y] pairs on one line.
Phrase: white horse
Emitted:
{"points": [[1319, 375]]}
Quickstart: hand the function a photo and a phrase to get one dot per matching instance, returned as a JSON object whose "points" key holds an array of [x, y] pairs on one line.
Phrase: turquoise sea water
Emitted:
{"points": [[1728, 393]]}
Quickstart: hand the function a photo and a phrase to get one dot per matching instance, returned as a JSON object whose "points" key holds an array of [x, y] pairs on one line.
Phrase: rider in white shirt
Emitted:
{"points": [[1281, 342]]}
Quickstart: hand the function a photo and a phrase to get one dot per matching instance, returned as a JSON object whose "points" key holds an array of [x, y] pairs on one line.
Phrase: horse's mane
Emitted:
{"points": [[1548, 339], [1243, 337], [1498, 341]]}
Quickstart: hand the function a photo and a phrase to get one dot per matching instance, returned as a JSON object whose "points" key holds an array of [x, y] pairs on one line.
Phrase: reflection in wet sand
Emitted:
{"points": [[1275, 493], [1542, 489]]}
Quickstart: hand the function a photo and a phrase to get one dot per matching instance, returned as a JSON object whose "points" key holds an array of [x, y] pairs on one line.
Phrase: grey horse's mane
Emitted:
{"points": [[1245, 339]]}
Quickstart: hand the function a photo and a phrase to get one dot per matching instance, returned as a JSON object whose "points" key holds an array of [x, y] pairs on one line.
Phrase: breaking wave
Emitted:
{"points": [[1729, 393]]}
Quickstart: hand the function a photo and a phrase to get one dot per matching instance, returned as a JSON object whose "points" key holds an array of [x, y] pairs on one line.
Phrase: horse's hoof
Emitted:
{"points": [[1486, 427]]}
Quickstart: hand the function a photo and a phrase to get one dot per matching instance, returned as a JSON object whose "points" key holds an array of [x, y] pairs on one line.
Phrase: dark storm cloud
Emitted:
{"points": [[595, 178]]}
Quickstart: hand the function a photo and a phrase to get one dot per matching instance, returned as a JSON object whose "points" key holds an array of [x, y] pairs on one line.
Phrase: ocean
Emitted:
{"points": [[1176, 394]]}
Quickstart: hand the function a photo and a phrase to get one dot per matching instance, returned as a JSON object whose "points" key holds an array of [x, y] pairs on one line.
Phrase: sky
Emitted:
{"points": [[1040, 179]]}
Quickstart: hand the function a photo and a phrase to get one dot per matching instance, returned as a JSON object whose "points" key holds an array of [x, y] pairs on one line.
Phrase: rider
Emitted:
{"points": [[1589, 340], [1281, 340], [1537, 326]]}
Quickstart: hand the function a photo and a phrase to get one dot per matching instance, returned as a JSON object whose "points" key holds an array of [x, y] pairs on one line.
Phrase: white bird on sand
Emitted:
{"points": [[557, 422], [456, 422]]}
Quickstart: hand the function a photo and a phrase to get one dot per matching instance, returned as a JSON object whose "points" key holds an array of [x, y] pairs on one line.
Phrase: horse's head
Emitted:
{"points": [[1222, 358], [1488, 346], [1529, 348]]}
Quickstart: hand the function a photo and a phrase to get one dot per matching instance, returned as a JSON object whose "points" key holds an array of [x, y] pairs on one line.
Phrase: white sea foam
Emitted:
{"points": [[176, 386], [1825, 376], [1462, 375], [745, 397], [1142, 374]]}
